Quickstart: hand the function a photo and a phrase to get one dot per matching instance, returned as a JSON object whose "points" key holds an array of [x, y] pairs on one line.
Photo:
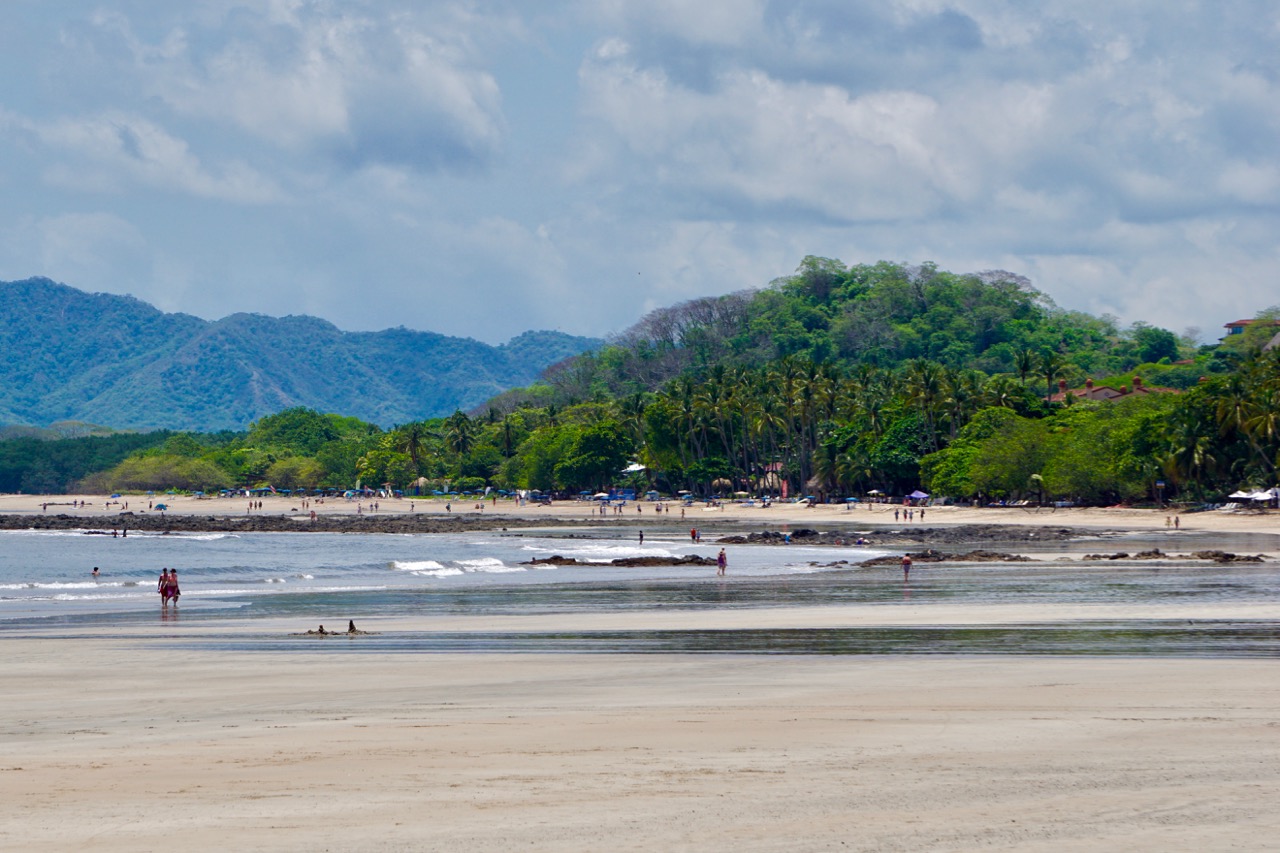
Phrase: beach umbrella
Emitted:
{"points": [[875, 492], [851, 500]]}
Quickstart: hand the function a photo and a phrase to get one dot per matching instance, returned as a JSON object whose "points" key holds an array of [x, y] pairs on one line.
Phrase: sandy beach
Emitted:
{"points": [[98, 508], [107, 750], [145, 736]]}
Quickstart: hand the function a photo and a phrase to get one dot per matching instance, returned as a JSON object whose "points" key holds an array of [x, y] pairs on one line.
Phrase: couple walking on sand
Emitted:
{"points": [[168, 587]]}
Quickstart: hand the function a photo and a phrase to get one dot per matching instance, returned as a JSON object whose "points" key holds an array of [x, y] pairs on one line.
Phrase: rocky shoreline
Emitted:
{"points": [[898, 535], [840, 536], [627, 562], [369, 523]]}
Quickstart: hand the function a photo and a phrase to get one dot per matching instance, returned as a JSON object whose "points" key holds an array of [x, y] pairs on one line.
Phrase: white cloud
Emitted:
{"points": [[86, 248], [113, 151], [712, 22], [482, 167], [397, 88], [753, 138]]}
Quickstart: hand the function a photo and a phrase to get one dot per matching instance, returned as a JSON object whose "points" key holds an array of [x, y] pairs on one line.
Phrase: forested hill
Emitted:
{"points": [[115, 360], [881, 315]]}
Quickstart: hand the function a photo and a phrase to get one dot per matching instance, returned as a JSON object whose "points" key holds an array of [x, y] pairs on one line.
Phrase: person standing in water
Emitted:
{"points": [[162, 586], [174, 591], [722, 562], [906, 567]]}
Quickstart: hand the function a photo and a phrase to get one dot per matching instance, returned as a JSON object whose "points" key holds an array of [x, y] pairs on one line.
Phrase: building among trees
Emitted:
{"points": [[1106, 392]]}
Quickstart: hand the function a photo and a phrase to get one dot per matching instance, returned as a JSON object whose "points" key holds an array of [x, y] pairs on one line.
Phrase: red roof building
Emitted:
{"points": [[1237, 327], [1106, 392]]}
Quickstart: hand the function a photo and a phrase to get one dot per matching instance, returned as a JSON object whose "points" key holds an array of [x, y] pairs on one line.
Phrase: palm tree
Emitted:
{"points": [[1193, 448], [632, 411], [507, 435], [1052, 366], [926, 387], [1263, 428], [963, 399], [412, 440], [1243, 413], [1001, 390], [459, 433], [1024, 361]]}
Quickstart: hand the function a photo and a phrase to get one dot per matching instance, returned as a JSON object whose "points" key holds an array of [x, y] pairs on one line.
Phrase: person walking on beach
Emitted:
{"points": [[906, 567], [162, 586], [722, 563], [174, 591]]}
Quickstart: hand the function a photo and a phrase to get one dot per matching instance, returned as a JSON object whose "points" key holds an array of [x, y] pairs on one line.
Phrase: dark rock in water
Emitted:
{"points": [[957, 535], [1157, 554], [931, 556], [630, 562], [1226, 557], [765, 537]]}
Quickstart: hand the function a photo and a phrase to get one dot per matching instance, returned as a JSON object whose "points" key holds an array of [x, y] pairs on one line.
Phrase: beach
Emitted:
{"points": [[221, 730], [107, 512], [115, 746]]}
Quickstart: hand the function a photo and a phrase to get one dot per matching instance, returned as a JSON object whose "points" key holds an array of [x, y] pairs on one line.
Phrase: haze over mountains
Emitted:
{"points": [[118, 361]]}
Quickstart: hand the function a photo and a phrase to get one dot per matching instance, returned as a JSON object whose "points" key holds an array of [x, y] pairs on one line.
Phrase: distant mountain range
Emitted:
{"points": [[118, 361]]}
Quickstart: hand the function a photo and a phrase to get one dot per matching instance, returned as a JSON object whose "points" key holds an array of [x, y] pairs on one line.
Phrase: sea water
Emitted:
{"points": [[45, 580], [49, 573]]}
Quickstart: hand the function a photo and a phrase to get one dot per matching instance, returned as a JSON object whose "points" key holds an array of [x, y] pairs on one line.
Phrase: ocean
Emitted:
{"points": [[1055, 605]]}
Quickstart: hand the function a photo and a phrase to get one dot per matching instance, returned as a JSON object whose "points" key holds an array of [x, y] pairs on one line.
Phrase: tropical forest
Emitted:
{"points": [[836, 381]]}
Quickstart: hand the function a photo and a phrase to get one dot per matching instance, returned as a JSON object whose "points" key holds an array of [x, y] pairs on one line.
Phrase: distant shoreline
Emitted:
{"points": [[276, 513], [386, 522], [839, 531]]}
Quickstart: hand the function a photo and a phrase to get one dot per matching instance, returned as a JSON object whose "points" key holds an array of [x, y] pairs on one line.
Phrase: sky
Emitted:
{"points": [[483, 168]]}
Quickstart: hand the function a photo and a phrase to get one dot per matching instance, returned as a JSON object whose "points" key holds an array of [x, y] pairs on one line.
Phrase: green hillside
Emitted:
{"points": [[118, 361], [882, 315], [835, 381]]}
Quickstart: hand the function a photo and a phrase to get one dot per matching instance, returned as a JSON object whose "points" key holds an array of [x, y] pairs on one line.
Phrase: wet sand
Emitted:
{"points": [[107, 750]]}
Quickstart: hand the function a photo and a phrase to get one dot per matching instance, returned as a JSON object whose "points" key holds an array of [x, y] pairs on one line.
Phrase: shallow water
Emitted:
{"points": [[1228, 639], [328, 578], [48, 574]]}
